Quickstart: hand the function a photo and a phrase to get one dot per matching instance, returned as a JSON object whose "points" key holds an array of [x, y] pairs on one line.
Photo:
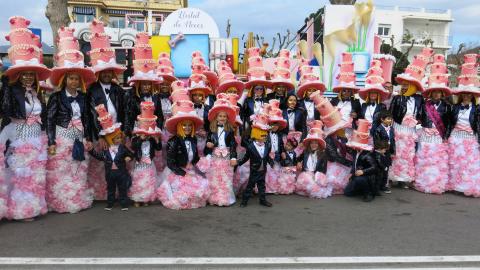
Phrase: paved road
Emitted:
{"points": [[405, 223]]}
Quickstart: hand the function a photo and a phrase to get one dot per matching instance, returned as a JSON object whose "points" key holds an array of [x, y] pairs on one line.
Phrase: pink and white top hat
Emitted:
{"points": [[360, 137], [275, 114], [438, 79], [227, 79], [281, 74], [144, 65], [165, 67], [260, 121], [256, 73], [346, 78], [106, 121], [316, 134], [147, 120], [212, 77], [182, 109], [330, 115], [222, 104], [70, 59], [468, 80], [102, 55], [24, 53], [198, 81], [374, 82], [309, 80], [415, 72]]}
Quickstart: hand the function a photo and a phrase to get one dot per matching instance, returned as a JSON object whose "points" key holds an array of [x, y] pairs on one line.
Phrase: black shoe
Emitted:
{"points": [[109, 207], [265, 203], [243, 204], [378, 193], [368, 198]]}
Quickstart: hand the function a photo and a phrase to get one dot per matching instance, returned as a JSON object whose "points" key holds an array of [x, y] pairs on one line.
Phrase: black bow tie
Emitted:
{"points": [[146, 95], [435, 102], [290, 111], [464, 107], [371, 104], [108, 91], [164, 95], [258, 99], [307, 99], [219, 125], [197, 106], [72, 99], [188, 139]]}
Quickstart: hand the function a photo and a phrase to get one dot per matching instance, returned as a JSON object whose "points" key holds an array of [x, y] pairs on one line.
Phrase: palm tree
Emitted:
{"points": [[342, 2]]}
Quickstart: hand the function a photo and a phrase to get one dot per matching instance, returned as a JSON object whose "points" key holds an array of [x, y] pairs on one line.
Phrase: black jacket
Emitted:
{"points": [[206, 123], [398, 107], [96, 96], [59, 113], [13, 105], [257, 163], [366, 163], [177, 156], [137, 147], [133, 109], [380, 107], [120, 162], [380, 133], [248, 109], [288, 161], [474, 118], [444, 110], [316, 113], [230, 142], [321, 161], [280, 144], [300, 121], [333, 153]]}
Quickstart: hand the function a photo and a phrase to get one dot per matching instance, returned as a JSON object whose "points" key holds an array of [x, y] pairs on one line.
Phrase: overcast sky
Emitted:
{"points": [[265, 17]]}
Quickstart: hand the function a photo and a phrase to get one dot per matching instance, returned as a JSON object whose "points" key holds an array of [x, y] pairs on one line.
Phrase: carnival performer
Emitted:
{"points": [[384, 132], [281, 79], [309, 83], [288, 172], [295, 116], [276, 140]]}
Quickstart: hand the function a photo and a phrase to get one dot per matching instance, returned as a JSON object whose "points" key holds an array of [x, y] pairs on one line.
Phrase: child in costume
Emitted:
{"points": [[275, 139], [309, 83], [312, 181], [115, 159], [382, 162], [221, 150], [431, 168], [184, 183], [288, 171], [258, 154], [295, 117], [384, 132], [144, 145]]}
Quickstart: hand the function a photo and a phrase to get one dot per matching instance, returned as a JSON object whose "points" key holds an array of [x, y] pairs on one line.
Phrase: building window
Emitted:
{"points": [[82, 18], [384, 30], [137, 23], [117, 22]]}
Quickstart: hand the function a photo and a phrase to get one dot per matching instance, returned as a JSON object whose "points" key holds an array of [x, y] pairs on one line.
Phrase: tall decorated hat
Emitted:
{"points": [[256, 73], [468, 79], [438, 79], [222, 104], [346, 78], [227, 79], [212, 78], [198, 81], [144, 65], [315, 134], [147, 120], [330, 115], [309, 80], [360, 137], [24, 52], [182, 109], [70, 59], [374, 82], [165, 67], [102, 55], [275, 114], [415, 72], [260, 121], [106, 121], [233, 99], [281, 73]]}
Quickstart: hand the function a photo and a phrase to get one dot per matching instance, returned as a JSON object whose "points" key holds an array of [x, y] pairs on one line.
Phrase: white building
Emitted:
{"points": [[421, 24]]}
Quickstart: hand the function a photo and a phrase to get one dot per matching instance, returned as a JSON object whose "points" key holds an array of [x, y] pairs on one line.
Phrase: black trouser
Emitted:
{"points": [[359, 185], [118, 179], [256, 177], [382, 184]]}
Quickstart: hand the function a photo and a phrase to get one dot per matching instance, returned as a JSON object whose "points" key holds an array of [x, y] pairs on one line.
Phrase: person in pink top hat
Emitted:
{"points": [[281, 78], [257, 86], [104, 91], [67, 128], [312, 165], [406, 110], [228, 83], [308, 84], [221, 150], [431, 168], [275, 139], [374, 94], [145, 144], [346, 89], [464, 130], [23, 112], [364, 166], [184, 183]]}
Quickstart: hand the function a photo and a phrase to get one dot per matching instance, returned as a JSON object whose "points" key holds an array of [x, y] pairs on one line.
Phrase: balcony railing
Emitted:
{"points": [[413, 9], [438, 40]]}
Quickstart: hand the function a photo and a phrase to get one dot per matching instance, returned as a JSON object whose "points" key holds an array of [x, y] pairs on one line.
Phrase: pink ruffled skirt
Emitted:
{"points": [[313, 185]]}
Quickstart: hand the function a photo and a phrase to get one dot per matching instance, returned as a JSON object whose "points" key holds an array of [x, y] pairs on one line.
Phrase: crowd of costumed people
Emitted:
{"points": [[214, 139]]}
